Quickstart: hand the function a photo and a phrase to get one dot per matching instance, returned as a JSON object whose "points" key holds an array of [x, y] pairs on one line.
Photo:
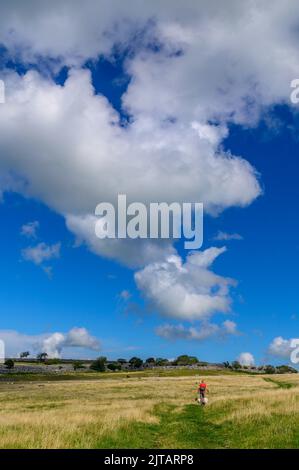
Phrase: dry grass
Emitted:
{"points": [[80, 414]]}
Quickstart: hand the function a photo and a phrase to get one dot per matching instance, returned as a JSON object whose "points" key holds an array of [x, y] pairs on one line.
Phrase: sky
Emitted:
{"points": [[164, 102]]}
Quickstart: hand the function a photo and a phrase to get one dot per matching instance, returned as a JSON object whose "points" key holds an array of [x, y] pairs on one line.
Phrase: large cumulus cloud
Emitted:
{"points": [[71, 153]]}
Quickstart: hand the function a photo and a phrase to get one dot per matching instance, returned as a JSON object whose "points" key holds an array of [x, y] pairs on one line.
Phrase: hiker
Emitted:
{"points": [[202, 390]]}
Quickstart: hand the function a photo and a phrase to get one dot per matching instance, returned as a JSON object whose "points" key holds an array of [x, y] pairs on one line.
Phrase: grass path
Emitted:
{"points": [[279, 383], [206, 428], [190, 428]]}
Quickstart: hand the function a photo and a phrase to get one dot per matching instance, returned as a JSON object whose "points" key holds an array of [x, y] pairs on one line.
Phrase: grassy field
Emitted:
{"points": [[147, 411]]}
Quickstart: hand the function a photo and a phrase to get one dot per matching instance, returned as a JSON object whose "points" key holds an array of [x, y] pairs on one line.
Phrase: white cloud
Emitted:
{"points": [[76, 338], [222, 48], [125, 294], [69, 31], [79, 337], [246, 359], [224, 236], [41, 252], [81, 131], [226, 53], [186, 291], [29, 230], [53, 344], [16, 342], [205, 331], [281, 347], [132, 253], [230, 327]]}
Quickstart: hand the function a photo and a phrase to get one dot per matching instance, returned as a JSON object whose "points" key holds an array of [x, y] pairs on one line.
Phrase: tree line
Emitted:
{"points": [[102, 364]]}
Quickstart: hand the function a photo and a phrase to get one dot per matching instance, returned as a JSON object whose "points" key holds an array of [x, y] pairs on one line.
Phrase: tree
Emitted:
{"points": [[99, 364], [9, 364], [236, 365], [114, 366], [150, 360], [269, 369], [193, 360], [42, 356], [286, 370], [122, 361], [24, 354], [226, 364], [160, 361], [185, 360], [135, 362], [78, 365]]}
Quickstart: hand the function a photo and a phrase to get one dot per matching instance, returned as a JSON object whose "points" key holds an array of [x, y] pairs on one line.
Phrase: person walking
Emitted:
{"points": [[202, 390]]}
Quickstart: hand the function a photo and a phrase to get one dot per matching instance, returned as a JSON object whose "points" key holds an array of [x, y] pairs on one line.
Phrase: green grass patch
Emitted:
{"points": [[279, 383], [196, 427]]}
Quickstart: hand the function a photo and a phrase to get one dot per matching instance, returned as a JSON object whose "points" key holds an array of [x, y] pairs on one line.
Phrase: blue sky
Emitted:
{"points": [[97, 292]]}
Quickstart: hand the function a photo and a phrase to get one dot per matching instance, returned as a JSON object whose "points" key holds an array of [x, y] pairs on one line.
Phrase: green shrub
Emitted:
{"points": [[286, 370], [185, 360], [99, 364], [9, 364], [78, 365], [135, 362], [114, 366], [160, 361], [236, 365], [41, 357], [269, 369]]}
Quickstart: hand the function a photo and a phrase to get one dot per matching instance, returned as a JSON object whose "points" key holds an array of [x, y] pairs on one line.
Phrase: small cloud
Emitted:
{"points": [[246, 359], [132, 348], [29, 230], [41, 252], [125, 295], [230, 327], [224, 236], [80, 337], [281, 347], [205, 331], [49, 271]]}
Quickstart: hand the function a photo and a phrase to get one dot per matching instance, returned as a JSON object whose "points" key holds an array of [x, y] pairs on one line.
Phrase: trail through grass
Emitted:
{"points": [[195, 427], [279, 383]]}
